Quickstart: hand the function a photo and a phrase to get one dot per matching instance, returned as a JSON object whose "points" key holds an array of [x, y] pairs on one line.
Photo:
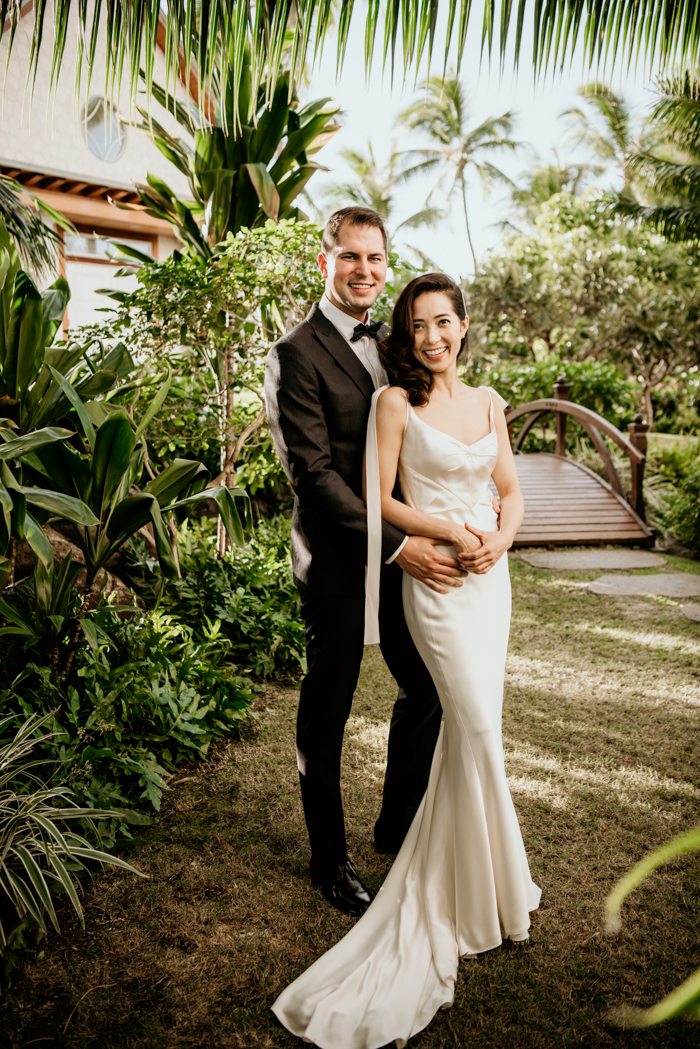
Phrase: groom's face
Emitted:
{"points": [[355, 270]]}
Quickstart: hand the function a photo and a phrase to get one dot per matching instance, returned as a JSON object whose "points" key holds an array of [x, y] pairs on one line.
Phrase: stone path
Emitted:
{"points": [[592, 559], [691, 612], [667, 584]]}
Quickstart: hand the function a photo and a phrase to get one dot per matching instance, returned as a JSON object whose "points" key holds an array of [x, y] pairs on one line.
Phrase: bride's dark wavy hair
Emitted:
{"points": [[396, 351]]}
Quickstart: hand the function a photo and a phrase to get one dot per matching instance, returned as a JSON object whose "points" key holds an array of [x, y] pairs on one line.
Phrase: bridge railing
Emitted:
{"points": [[595, 426]]}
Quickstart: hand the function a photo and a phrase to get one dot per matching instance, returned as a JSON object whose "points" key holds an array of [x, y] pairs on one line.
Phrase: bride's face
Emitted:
{"points": [[437, 331]]}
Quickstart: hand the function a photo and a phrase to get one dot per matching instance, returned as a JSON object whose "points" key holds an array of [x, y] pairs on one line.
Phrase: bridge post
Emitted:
{"points": [[638, 429], [562, 389]]}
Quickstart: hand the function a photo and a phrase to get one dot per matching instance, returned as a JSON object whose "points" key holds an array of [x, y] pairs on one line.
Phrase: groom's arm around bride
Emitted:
{"points": [[319, 382]]}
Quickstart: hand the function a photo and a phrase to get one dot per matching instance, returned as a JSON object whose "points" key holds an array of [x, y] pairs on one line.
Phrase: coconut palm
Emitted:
{"points": [[195, 32], [606, 127], [541, 182], [375, 187], [671, 168], [441, 113]]}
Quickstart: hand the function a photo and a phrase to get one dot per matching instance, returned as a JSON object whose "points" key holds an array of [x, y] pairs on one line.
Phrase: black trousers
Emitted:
{"points": [[334, 646]]}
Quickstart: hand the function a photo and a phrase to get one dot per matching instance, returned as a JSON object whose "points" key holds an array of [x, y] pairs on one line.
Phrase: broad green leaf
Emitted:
{"points": [[65, 506], [180, 474], [28, 344], [18, 446], [155, 405], [113, 447], [133, 513], [9, 612], [96, 384], [90, 632], [77, 403], [224, 499], [265, 189], [217, 189], [119, 360], [38, 541]]}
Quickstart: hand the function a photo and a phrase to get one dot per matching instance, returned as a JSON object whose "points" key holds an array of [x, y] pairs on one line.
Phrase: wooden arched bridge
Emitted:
{"points": [[565, 502]]}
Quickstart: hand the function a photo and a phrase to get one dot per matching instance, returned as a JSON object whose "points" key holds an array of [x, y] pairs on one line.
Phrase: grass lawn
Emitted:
{"points": [[602, 747]]}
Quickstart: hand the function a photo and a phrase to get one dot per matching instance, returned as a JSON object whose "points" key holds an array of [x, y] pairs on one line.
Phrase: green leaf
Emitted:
{"points": [[65, 506], [72, 395], [265, 189], [180, 474], [110, 461], [38, 541], [18, 446], [155, 405]]}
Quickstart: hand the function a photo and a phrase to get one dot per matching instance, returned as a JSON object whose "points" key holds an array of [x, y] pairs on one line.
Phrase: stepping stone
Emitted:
{"points": [[667, 584], [591, 559], [691, 612]]}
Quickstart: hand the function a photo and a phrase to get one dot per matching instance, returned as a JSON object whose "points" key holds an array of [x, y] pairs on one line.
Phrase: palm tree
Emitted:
{"points": [[671, 169], [442, 114], [375, 187], [194, 32], [540, 183], [606, 127]]}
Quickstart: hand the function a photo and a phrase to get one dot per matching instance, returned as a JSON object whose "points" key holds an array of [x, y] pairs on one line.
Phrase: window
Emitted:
{"points": [[104, 132]]}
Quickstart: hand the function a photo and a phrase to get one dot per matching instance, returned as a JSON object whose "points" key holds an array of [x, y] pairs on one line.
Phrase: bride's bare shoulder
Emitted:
{"points": [[393, 398]]}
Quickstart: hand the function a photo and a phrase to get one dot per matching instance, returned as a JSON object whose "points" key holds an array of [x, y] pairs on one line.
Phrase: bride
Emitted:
{"points": [[461, 881]]}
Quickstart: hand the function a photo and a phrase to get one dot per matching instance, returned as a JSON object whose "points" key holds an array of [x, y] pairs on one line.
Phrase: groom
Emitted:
{"points": [[319, 382]]}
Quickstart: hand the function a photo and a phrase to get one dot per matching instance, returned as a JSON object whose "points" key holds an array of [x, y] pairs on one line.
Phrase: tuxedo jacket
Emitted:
{"points": [[318, 398]]}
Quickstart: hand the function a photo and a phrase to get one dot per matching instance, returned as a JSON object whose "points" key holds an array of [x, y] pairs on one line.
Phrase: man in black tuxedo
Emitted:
{"points": [[319, 382]]}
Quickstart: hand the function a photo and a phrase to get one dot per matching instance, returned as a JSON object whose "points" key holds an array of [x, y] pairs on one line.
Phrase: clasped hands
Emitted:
{"points": [[477, 552]]}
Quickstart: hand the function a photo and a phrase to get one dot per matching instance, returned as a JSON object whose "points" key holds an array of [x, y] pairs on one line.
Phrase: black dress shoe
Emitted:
{"points": [[344, 890]]}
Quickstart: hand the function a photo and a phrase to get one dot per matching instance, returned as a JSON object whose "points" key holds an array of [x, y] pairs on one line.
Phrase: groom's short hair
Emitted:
{"points": [[355, 216]]}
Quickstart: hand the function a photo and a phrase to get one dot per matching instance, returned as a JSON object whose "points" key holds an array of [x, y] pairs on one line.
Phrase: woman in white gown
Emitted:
{"points": [[461, 881]]}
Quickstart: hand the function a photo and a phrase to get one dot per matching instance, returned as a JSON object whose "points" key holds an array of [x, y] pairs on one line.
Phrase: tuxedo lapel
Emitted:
{"points": [[333, 341]]}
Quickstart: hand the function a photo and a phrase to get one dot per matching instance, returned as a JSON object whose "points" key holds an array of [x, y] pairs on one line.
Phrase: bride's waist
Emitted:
{"points": [[481, 515]]}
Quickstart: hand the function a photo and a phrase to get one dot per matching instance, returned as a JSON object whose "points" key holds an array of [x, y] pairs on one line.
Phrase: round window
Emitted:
{"points": [[104, 132]]}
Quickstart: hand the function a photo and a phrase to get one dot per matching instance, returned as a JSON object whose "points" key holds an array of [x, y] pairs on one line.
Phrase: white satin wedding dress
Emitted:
{"points": [[461, 882]]}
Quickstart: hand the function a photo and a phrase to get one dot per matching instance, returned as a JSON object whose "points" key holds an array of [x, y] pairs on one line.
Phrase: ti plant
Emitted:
{"points": [[239, 175], [67, 449], [38, 850], [684, 1000]]}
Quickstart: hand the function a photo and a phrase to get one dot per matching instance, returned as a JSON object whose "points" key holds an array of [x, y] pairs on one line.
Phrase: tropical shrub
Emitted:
{"points": [[680, 516], [597, 385], [40, 852], [586, 286], [142, 697], [250, 591]]}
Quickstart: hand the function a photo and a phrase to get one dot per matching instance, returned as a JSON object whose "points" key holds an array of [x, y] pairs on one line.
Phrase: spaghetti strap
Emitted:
{"points": [[374, 526], [490, 390]]}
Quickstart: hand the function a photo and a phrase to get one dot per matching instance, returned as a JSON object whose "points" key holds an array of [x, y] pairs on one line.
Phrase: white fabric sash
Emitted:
{"points": [[374, 526]]}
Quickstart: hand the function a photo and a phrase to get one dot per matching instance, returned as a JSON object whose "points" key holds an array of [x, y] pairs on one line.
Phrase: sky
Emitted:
{"points": [[369, 111]]}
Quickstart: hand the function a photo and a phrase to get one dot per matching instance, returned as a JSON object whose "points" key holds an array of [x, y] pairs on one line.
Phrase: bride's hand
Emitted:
{"points": [[492, 546], [464, 541]]}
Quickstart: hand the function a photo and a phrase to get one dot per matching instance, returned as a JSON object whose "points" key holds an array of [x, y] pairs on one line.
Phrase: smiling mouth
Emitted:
{"points": [[435, 355], [357, 286]]}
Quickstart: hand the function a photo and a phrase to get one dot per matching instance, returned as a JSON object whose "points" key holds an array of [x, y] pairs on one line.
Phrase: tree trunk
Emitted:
{"points": [[466, 219]]}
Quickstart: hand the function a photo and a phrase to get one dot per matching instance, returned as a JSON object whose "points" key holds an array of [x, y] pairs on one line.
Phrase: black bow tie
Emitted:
{"points": [[366, 329]]}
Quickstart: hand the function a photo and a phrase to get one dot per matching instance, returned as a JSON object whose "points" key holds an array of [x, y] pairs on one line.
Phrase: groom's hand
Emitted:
{"points": [[421, 560]]}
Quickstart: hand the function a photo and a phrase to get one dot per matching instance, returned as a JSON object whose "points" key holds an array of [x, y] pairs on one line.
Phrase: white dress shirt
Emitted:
{"points": [[365, 349]]}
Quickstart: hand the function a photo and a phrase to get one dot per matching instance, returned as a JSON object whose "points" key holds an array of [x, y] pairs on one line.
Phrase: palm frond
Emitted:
{"points": [[674, 222], [199, 36], [37, 243]]}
